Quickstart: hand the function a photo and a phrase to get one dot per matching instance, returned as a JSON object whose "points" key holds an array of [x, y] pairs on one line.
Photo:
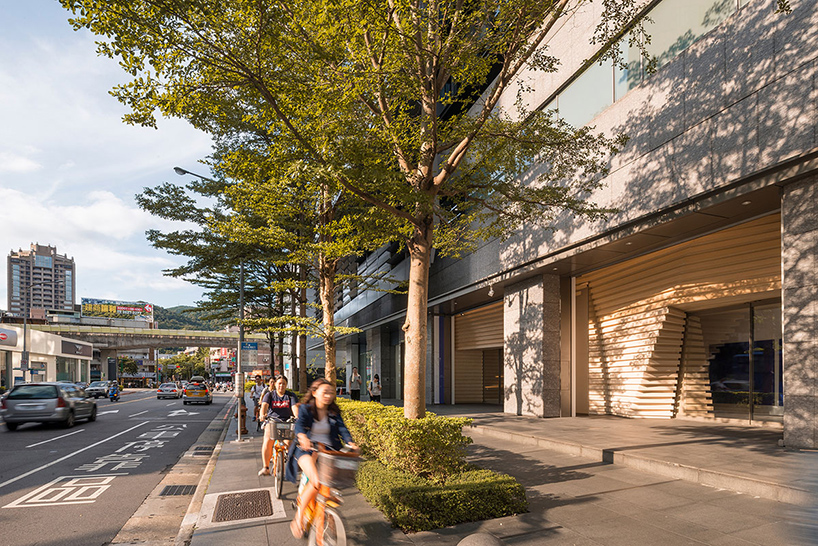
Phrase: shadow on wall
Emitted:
{"points": [[740, 99], [523, 351]]}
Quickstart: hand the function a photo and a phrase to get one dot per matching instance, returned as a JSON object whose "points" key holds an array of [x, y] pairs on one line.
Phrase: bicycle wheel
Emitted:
{"points": [[279, 473], [333, 532]]}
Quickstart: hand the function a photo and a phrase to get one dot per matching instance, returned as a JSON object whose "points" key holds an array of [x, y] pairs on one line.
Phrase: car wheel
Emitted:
{"points": [[11, 426], [93, 416], [69, 421]]}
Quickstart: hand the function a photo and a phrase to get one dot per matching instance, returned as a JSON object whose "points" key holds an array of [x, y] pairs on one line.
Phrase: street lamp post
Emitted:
{"points": [[239, 386]]}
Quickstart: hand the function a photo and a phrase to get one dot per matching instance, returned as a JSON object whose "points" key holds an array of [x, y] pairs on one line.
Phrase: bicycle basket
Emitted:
{"points": [[337, 471], [283, 431]]}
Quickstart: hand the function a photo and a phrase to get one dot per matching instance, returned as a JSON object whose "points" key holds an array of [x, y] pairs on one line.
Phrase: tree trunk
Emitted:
{"points": [[326, 273], [293, 340], [302, 338], [414, 384]]}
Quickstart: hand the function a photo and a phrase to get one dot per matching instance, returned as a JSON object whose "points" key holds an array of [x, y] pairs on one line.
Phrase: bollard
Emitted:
{"points": [[241, 415], [481, 539]]}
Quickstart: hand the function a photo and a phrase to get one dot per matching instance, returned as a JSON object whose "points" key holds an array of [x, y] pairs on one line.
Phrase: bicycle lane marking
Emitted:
{"points": [[61, 459]]}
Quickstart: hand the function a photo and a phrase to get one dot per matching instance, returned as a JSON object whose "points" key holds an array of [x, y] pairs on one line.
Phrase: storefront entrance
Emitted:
{"points": [[744, 383]]}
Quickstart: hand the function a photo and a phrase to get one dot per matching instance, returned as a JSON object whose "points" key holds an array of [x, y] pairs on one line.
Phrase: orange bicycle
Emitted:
{"points": [[336, 470], [280, 432]]}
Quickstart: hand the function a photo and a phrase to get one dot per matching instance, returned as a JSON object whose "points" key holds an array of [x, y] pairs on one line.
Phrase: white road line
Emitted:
{"points": [[57, 438], [140, 413], [171, 404], [61, 459]]}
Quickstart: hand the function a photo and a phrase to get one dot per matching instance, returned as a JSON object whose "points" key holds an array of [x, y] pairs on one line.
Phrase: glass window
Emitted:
{"points": [[768, 387], [626, 79], [588, 95], [675, 24], [43, 261]]}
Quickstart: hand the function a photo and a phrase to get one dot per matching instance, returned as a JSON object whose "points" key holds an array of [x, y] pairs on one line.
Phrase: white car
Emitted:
{"points": [[168, 390]]}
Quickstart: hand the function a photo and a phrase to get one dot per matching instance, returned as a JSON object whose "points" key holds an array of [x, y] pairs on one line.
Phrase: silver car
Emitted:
{"points": [[168, 390], [46, 403], [97, 389]]}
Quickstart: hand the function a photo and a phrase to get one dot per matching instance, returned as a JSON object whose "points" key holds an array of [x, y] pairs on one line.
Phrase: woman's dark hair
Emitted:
{"points": [[376, 377], [309, 398]]}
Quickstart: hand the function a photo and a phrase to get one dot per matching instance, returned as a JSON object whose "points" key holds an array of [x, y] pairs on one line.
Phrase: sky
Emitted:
{"points": [[70, 167]]}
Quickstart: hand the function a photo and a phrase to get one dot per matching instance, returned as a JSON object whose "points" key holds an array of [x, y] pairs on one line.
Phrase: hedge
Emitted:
{"points": [[432, 447], [413, 503]]}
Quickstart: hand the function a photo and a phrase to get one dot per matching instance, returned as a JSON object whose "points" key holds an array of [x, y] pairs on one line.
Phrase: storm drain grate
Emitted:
{"points": [[245, 505], [202, 450], [214, 430], [177, 490]]}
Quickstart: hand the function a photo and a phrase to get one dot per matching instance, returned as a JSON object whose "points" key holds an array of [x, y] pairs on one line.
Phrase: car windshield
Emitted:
{"points": [[33, 392], [168, 386], [98, 384], [195, 387]]}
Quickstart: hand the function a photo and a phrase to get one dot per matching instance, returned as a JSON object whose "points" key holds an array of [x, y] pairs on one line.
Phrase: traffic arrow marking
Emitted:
{"points": [[179, 412]]}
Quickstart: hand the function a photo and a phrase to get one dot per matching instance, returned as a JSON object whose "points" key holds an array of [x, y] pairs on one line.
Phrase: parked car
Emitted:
{"points": [[81, 384], [194, 392], [168, 390], [97, 389], [48, 402]]}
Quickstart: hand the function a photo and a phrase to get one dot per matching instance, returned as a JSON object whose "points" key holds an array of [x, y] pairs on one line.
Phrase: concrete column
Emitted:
{"points": [[103, 361], [531, 347], [799, 257]]}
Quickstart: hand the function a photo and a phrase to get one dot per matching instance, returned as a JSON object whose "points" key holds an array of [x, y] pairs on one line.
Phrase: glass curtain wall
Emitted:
{"points": [[744, 383], [67, 369]]}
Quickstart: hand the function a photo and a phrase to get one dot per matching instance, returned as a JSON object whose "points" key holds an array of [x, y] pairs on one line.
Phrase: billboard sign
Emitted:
{"points": [[8, 337], [138, 310], [249, 355]]}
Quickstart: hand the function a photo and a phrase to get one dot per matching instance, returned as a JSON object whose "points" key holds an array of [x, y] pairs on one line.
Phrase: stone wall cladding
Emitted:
{"points": [[531, 356], [799, 222], [719, 111]]}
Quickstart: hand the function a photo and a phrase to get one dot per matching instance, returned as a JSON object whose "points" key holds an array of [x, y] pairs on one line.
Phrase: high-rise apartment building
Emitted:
{"points": [[40, 278]]}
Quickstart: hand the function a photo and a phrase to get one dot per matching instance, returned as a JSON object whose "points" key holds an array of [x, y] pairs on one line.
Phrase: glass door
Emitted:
{"points": [[767, 368]]}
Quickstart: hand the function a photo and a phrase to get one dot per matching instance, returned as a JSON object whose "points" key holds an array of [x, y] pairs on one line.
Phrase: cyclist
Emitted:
{"points": [[278, 404], [319, 421]]}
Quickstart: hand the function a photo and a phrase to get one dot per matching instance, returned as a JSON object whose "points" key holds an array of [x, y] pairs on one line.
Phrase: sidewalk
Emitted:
{"points": [[589, 480]]}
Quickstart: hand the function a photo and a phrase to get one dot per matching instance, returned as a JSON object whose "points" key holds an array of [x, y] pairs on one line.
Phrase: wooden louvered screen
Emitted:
{"points": [[480, 328], [693, 393], [468, 377], [637, 315]]}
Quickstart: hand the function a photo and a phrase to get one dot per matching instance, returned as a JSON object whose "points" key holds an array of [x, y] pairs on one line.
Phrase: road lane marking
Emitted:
{"points": [[61, 459], [109, 411], [73, 490], [57, 438], [177, 413], [140, 413], [171, 404]]}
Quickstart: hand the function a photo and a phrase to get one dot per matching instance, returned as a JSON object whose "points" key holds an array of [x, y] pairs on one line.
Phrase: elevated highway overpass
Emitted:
{"points": [[121, 339]]}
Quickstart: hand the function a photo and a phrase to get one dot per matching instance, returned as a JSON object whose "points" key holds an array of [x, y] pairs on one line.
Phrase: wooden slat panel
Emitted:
{"points": [[480, 329], [468, 377], [492, 362], [637, 318]]}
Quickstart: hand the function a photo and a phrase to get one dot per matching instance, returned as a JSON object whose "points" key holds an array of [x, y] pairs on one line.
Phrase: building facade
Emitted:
{"points": [[51, 357], [697, 298], [40, 279]]}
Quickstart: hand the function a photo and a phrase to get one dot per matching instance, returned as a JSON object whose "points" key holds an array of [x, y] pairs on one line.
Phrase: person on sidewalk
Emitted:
{"points": [[255, 394], [319, 422], [375, 389], [355, 385], [280, 405]]}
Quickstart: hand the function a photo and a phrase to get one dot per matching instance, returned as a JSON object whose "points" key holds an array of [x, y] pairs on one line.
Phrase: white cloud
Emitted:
{"points": [[13, 163]]}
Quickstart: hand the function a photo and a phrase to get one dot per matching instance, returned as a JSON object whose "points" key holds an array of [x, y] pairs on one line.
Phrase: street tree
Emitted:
{"points": [[401, 104]]}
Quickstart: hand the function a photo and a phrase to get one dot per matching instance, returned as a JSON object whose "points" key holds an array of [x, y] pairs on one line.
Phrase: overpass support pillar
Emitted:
{"points": [[107, 360]]}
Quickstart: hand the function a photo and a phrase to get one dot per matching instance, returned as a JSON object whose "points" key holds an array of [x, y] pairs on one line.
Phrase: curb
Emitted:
{"points": [[185, 534], [712, 478]]}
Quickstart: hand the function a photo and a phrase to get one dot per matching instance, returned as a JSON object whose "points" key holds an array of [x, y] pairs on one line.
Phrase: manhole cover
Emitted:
{"points": [[174, 490], [244, 505]]}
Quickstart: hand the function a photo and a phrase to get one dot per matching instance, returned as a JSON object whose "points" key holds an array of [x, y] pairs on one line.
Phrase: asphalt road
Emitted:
{"points": [[79, 486]]}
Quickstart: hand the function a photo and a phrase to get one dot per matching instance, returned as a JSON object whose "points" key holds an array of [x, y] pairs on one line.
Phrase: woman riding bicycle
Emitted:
{"points": [[319, 422], [277, 404]]}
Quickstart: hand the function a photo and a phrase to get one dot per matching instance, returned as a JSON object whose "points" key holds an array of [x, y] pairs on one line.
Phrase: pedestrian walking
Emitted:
{"points": [[375, 389], [355, 385]]}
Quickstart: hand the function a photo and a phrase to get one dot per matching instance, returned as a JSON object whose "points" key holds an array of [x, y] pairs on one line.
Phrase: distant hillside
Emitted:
{"points": [[173, 318]]}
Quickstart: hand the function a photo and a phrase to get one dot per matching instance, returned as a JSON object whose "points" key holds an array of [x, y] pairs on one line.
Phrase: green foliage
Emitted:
{"points": [[433, 447], [127, 365], [413, 503], [183, 317]]}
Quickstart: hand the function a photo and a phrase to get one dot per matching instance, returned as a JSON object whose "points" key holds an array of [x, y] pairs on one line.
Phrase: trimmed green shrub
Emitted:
{"points": [[433, 447], [413, 503]]}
